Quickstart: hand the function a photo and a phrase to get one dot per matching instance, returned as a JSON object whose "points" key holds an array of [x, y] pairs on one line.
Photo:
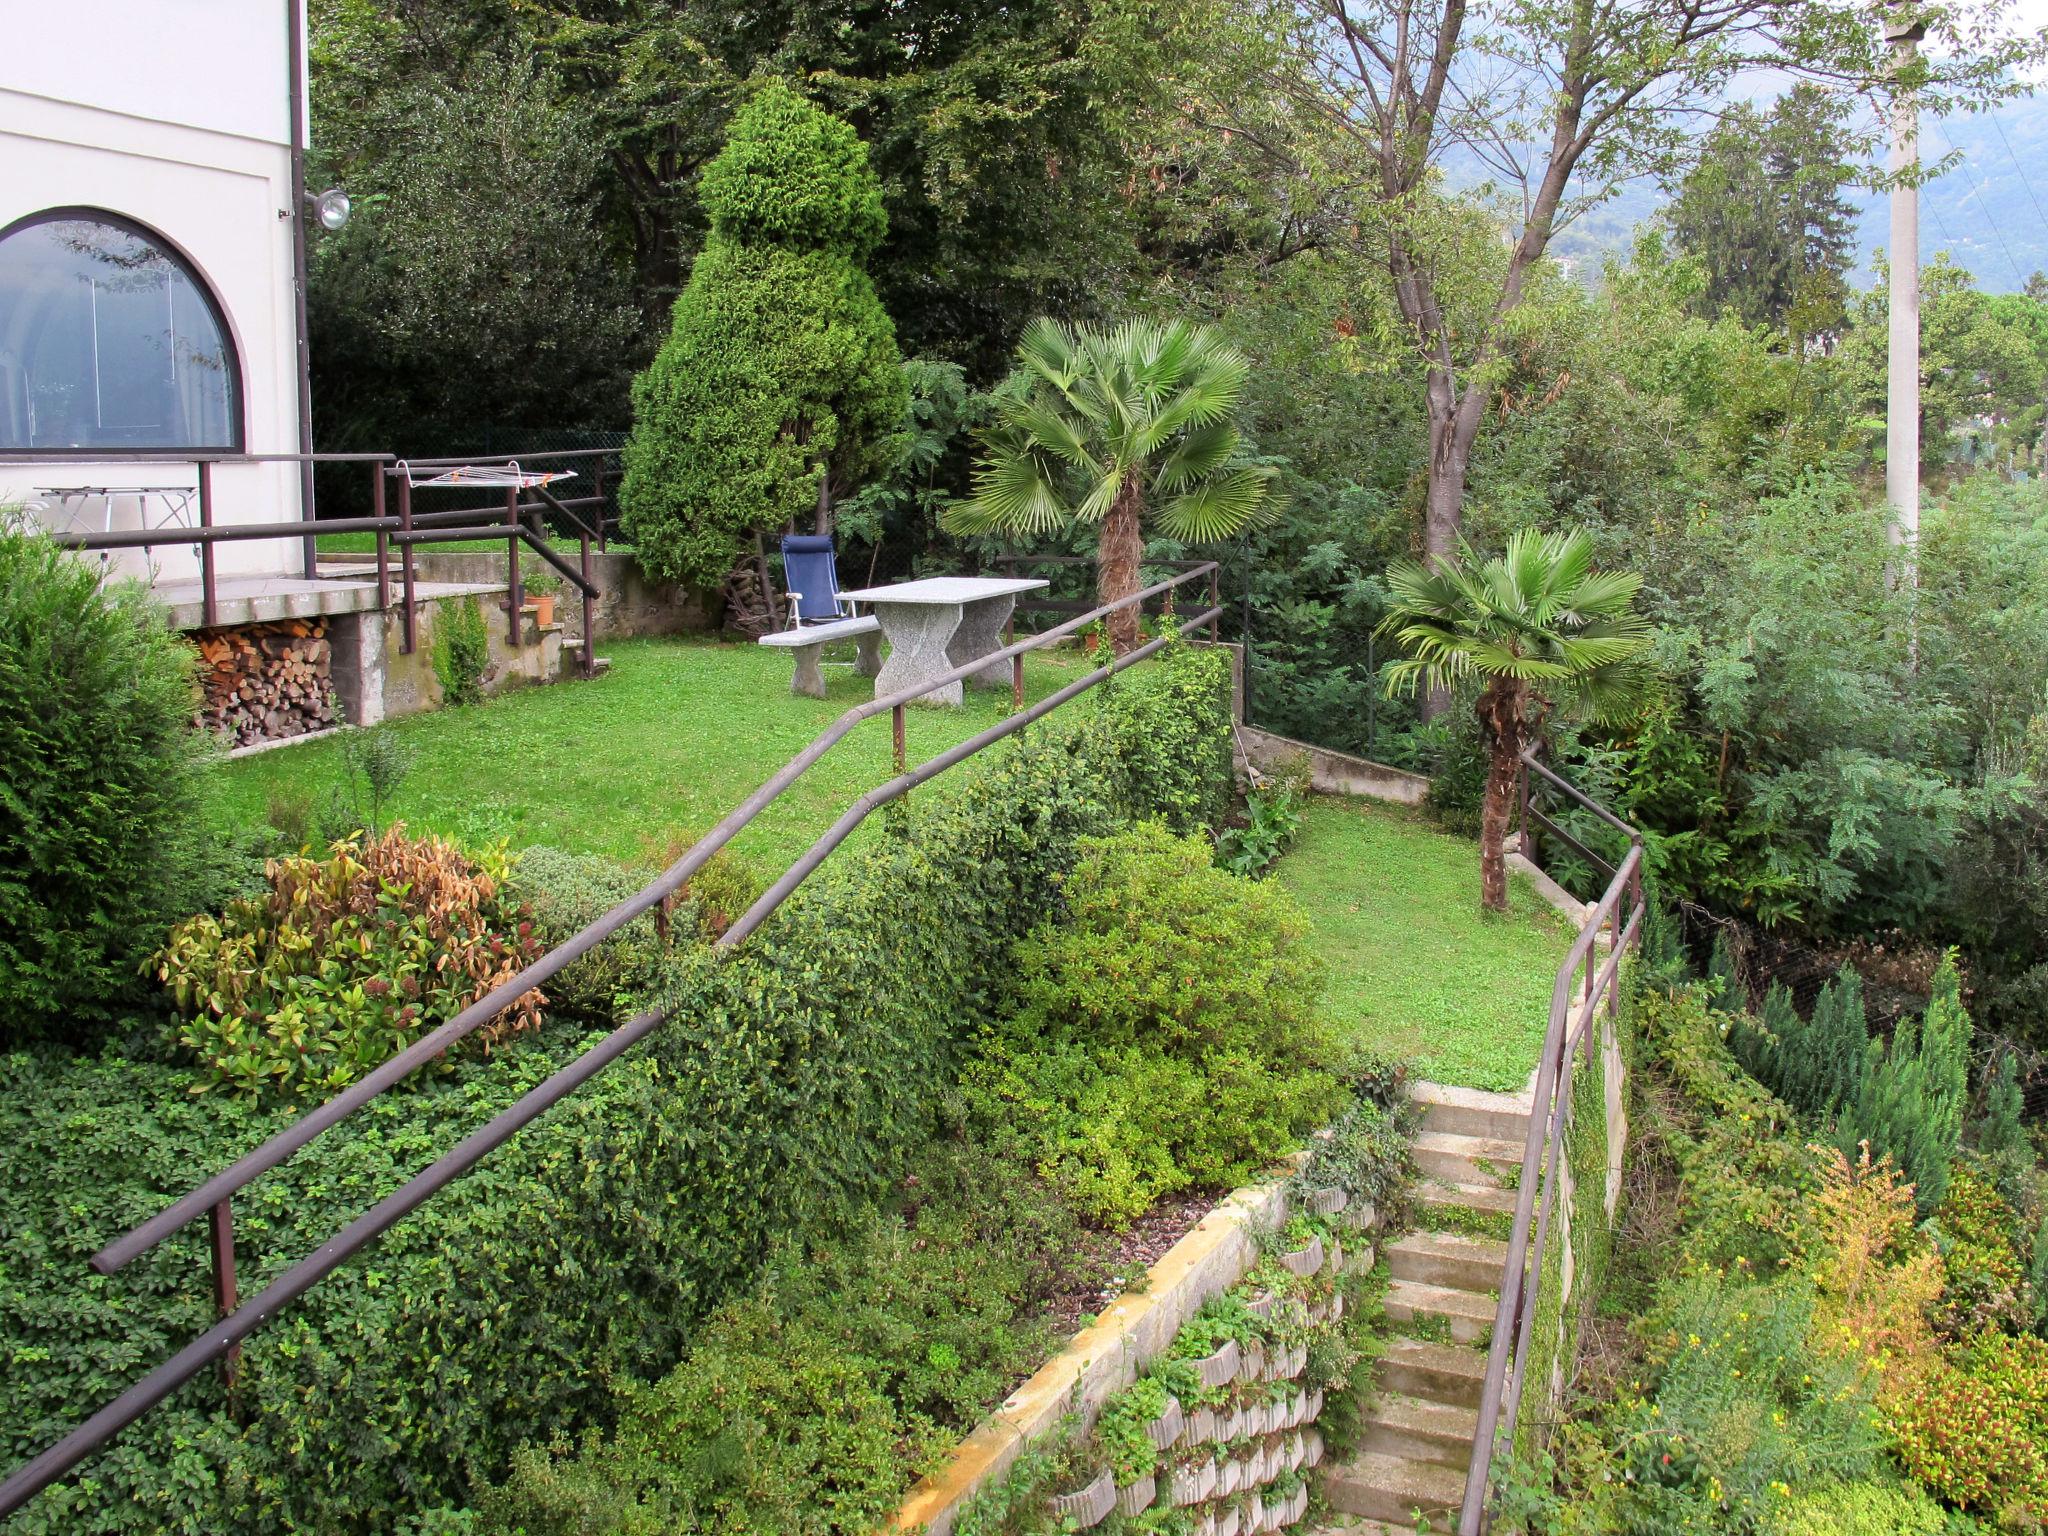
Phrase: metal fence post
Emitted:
{"points": [[383, 537], [515, 593], [209, 614], [589, 603], [411, 631], [221, 1222]]}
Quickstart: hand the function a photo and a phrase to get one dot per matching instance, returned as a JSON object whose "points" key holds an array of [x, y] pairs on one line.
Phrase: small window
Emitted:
{"points": [[108, 340]]}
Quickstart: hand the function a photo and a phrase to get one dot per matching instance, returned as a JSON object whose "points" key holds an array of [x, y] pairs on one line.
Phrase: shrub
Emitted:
{"points": [[772, 1425], [374, 763], [345, 961], [789, 1090], [1166, 1033], [1910, 1106], [566, 893], [1857, 1509], [462, 651], [1966, 1441], [780, 384], [1368, 1154], [1983, 1255], [106, 834]]}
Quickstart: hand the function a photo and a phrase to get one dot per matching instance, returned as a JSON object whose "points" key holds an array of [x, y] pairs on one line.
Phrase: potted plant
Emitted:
{"points": [[541, 585]]}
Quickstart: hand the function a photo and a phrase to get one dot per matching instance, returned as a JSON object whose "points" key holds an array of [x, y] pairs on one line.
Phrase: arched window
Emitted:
{"points": [[109, 340]]}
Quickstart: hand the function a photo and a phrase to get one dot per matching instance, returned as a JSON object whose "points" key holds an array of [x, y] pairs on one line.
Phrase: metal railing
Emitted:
{"points": [[1619, 915], [518, 522], [213, 1198]]}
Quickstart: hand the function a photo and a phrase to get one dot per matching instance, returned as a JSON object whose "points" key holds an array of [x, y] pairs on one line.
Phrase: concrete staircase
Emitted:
{"points": [[1416, 1440]]}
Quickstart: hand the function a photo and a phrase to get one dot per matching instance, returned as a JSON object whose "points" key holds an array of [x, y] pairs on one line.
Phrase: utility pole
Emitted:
{"points": [[1903, 31]]}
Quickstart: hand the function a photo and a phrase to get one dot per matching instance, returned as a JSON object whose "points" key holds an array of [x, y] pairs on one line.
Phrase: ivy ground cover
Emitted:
{"points": [[655, 751], [1417, 970]]}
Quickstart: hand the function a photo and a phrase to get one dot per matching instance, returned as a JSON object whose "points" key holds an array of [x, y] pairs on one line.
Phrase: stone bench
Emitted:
{"points": [[812, 639]]}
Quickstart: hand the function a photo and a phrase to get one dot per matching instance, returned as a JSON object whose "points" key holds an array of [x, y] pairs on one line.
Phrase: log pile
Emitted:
{"points": [[266, 682]]}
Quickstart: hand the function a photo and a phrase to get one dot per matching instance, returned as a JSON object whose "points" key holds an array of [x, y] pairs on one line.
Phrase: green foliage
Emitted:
{"points": [[105, 824], [1273, 821], [779, 385], [790, 1088], [1817, 1064], [1165, 1033], [1865, 1508], [344, 962], [1998, 1131], [1120, 1430], [1983, 1256], [462, 650], [1367, 1154], [772, 1425], [1910, 1108], [565, 893], [374, 764], [1741, 1409]]}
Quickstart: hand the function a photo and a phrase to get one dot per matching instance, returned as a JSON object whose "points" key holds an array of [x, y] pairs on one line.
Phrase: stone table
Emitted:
{"points": [[936, 624]]}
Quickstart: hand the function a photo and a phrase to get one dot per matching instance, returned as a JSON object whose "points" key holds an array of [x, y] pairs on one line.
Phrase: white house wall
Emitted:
{"points": [[174, 115]]}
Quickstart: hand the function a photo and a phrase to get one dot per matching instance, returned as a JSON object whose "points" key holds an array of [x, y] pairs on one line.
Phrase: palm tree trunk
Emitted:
{"points": [[1500, 716], [1118, 554]]}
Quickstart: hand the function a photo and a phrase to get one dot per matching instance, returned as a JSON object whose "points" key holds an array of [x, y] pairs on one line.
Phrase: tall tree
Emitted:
{"points": [[1116, 428], [1562, 102], [1540, 631], [1763, 209], [780, 386]]}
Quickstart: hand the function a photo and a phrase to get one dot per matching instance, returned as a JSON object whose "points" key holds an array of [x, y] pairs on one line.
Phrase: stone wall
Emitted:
{"points": [[628, 604]]}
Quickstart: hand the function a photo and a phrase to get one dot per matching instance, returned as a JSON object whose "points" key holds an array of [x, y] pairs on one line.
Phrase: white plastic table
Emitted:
{"points": [[939, 623]]}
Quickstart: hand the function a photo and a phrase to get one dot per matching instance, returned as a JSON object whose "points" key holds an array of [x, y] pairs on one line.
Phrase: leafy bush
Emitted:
{"points": [[461, 651], [567, 892], [1816, 1064], [771, 1425], [1967, 1440], [790, 1088], [1866, 1508], [1983, 1255], [346, 961], [779, 385], [1166, 1033], [106, 834], [1272, 823], [1368, 1153]]}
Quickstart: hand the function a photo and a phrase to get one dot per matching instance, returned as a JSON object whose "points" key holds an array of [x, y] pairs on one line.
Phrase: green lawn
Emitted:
{"points": [[1416, 969], [661, 747]]}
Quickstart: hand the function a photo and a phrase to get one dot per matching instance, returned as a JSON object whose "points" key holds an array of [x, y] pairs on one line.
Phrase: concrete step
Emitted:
{"points": [[1391, 1489], [1449, 1259], [1438, 1373], [1458, 1159], [1472, 1112], [1469, 1315], [1473, 1197], [1419, 1430]]}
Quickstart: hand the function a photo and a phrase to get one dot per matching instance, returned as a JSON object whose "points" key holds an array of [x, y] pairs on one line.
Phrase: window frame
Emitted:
{"points": [[237, 395]]}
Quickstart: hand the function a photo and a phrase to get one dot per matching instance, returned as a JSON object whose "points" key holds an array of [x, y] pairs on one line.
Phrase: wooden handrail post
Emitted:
{"points": [[589, 605], [221, 1224]]}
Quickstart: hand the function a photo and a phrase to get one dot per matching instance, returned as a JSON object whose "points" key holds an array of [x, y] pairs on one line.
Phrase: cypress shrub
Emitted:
{"points": [[792, 1085], [780, 385], [106, 825], [1821, 1067], [1910, 1104]]}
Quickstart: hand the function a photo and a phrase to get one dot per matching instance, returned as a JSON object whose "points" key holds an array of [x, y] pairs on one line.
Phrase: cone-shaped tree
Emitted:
{"points": [[1540, 631], [1117, 428], [780, 386]]}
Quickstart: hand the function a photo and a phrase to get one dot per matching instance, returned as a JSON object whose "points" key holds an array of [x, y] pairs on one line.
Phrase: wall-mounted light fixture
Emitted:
{"points": [[330, 207]]}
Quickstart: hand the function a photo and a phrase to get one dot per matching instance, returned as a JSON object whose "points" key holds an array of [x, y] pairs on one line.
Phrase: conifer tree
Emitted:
{"points": [[780, 386], [1999, 1131], [1910, 1107], [1724, 989]]}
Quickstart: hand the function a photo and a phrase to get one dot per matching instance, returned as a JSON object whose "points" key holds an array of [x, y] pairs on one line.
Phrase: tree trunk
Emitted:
{"points": [[1500, 717], [1118, 554]]}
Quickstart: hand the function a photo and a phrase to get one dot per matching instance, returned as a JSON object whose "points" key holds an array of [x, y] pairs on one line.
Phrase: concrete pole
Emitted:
{"points": [[1902, 395]]}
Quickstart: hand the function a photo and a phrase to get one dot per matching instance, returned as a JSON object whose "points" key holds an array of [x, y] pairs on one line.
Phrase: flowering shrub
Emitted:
{"points": [[345, 960]]}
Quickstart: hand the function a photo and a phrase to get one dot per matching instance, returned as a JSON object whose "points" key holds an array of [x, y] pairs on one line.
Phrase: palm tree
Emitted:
{"points": [[1543, 630], [1117, 427]]}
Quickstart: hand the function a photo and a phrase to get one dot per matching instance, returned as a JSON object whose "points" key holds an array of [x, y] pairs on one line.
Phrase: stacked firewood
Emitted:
{"points": [[752, 606], [266, 682]]}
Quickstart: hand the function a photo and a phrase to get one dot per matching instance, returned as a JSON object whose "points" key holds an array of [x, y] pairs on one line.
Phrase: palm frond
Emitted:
{"points": [[1218, 506]]}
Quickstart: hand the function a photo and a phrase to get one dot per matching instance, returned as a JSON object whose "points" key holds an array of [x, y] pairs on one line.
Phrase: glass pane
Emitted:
{"points": [[106, 342]]}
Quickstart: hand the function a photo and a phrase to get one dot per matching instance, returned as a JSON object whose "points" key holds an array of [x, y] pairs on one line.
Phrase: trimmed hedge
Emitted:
{"points": [[788, 1092]]}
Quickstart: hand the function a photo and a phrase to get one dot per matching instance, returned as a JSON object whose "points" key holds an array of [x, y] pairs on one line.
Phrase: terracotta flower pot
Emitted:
{"points": [[1089, 1504], [543, 604], [1133, 1497], [1304, 1261], [1219, 1369]]}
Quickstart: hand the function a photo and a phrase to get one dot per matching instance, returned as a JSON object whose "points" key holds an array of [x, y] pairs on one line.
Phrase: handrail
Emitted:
{"points": [[214, 1194], [1543, 1150]]}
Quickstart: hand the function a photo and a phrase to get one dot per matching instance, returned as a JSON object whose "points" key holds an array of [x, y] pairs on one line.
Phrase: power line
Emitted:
{"points": [[1963, 161], [2025, 180]]}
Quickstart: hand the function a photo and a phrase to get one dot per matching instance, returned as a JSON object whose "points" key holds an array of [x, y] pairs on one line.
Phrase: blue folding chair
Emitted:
{"points": [[810, 571], [818, 615]]}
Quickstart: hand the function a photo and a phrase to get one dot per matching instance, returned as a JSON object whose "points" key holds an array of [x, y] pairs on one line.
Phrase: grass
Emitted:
{"points": [[657, 750], [1417, 970]]}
